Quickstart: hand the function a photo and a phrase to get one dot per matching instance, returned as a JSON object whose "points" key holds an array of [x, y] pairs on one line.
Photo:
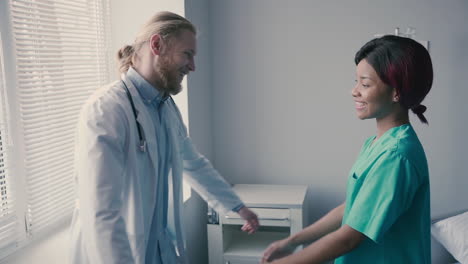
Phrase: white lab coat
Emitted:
{"points": [[107, 225]]}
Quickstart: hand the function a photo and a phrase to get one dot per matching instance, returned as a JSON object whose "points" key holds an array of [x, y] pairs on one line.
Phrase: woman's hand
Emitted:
{"points": [[277, 250]]}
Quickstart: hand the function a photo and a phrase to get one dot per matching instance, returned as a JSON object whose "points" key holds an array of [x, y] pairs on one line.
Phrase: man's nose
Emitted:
{"points": [[191, 65]]}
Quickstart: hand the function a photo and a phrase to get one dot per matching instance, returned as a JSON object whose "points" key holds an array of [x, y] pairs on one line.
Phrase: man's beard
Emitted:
{"points": [[168, 77]]}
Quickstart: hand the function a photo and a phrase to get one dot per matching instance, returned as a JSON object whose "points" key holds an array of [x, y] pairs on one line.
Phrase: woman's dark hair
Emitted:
{"points": [[405, 65]]}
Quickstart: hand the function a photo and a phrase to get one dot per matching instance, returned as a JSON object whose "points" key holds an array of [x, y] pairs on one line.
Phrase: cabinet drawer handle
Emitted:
{"points": [[274, 219], [261, 218]]}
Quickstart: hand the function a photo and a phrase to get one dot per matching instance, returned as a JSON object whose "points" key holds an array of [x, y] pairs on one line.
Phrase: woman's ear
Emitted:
{"points": [[396, 96]]}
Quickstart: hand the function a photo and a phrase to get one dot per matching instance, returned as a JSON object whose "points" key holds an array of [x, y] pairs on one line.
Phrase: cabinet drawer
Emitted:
{"points": [[240, 246], [266, 216], [241, 261]]}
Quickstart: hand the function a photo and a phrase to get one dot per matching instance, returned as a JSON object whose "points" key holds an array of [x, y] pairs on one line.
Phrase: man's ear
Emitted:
{"points": [[156, 44]]}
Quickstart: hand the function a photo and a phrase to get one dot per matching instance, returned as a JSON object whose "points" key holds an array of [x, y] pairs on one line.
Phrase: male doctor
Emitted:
{"points": [[132, 148]]}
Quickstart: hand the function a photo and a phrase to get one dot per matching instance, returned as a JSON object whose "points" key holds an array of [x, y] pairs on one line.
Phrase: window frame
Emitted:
{"points": [[15, 128]]}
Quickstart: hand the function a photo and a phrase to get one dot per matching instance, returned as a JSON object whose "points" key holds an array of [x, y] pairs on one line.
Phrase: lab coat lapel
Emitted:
{"points": [[172, 119], [144, 119], [173, 122]]}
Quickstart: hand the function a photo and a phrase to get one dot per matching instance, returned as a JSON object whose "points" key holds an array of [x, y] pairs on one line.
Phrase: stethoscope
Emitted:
{"points": [[141, 134]]}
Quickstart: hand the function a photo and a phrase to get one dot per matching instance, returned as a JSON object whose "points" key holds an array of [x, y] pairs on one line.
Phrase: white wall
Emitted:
{"points": [[282, 76], [270, 99], [200, 116], [126, 18]]}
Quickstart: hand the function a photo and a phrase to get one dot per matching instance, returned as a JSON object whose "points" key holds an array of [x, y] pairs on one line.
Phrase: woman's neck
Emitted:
{"points": [[391, 121]]}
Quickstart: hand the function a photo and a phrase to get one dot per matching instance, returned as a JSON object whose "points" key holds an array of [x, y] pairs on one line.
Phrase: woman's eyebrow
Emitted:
{"points": [[365, 77]]}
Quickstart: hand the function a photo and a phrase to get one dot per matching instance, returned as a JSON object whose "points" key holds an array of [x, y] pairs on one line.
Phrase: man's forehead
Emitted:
{"points": [[186, 40]]}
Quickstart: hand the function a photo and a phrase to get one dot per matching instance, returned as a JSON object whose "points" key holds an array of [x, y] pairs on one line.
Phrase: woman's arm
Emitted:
{"points": [[327, 248], [325, 225]]}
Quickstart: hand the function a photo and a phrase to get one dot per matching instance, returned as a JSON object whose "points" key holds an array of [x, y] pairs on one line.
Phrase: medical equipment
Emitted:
{"points": [[410, 33], [141, 134]]}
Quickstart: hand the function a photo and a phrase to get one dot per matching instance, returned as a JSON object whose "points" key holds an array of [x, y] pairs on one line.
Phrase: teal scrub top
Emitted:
{"points": [[388, 200]]}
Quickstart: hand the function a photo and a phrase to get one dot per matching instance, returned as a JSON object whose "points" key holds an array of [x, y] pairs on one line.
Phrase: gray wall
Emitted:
{"points": [[270, 101], [282, 75], [201, 132]]}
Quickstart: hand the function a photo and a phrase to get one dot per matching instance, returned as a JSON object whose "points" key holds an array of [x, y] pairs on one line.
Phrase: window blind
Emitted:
{"points": [[62, 56], [8, 220]]}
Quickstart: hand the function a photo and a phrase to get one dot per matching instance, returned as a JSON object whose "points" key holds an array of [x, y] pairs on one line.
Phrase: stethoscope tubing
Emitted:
{"points": [[141, 135]]}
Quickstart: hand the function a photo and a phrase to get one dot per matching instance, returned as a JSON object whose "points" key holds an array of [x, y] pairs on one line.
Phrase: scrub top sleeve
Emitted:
{"points": [[386, 193], [100, 165]]}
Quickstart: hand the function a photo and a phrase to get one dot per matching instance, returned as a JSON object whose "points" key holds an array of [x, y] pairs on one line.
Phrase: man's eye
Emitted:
{"points": [[366, 85]]}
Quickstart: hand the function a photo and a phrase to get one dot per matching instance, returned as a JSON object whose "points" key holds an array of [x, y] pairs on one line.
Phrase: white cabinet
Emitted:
{"points": [[281, 212]]}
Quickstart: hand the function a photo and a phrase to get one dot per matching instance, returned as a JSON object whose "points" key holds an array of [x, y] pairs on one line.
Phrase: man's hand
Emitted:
{"points": [[277, 250], [251, 220]]}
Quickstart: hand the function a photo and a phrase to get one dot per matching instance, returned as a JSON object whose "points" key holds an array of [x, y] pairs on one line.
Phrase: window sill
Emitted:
{"points": [[52, 248]]}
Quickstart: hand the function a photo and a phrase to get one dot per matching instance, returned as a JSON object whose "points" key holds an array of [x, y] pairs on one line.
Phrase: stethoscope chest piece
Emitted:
{"points": [[143, 145]]}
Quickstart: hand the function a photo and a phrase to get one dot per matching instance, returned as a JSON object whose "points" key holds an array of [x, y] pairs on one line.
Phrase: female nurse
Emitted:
{"points": [[386, 215]]}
